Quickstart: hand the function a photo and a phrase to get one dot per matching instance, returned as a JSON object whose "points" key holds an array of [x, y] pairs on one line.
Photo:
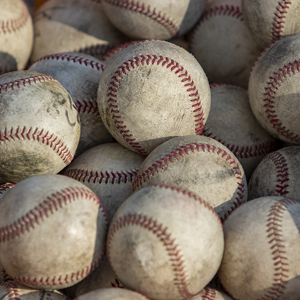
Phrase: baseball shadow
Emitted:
{"points": [[7, 63]]}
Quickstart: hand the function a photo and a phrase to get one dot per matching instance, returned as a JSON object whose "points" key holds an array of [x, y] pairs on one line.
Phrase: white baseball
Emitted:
{"points": [[152, 91], [16, 35], [200, 164], [39, 129], [270, 20], [232, 123], [73, 25], [274, 90], [79, 74], [154, 18], [52, 232], [108, 170], [158, 242], [261, 257], [223, 44]]}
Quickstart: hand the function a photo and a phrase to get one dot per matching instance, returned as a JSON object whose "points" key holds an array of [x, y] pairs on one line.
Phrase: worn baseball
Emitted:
{"points": [[211, 294], [79, 74], [73, 25], [200, 164], [274, 90], [16, 35], [108, 170], [151, 242], [39, 130], [141, 117], [11, 290], [277, 175], [223, 44], [269, 21], [261, 255], [102, 277], [52, 232], [153, 18], [113, 294], [232, 123]]}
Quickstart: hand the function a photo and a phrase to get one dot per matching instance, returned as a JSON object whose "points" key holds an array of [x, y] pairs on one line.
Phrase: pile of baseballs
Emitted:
{"points": [[150, 150]]}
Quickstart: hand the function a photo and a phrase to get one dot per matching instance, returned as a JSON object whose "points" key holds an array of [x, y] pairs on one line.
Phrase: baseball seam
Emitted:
{"points": [[105, 177], [13, 25], [147, 11], [244, 151], [275, 80], [279, 18], [282, 172], [39, 135], [87, 106], [12, 290], [170, 64], [37, 215], [6, 186], [210, 294], [222, 10], [176, 260], [188, 149], [276, 242]]}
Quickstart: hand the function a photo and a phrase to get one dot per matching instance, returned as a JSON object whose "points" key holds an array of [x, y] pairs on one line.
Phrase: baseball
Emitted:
{"points": [[79, 74], [232, 123], [261, 254], [73, 25], [10, 290], [274, 89], [223, 44], [270, 20], [277, 175], [200, 164], [154, 19], [141, 117], [151, 242], [113, 294], [52, 232], [39, 130], [108, 170], [16, 35]]}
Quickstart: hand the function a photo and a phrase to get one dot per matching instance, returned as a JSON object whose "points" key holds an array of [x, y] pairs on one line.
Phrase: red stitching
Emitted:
{"points": [[6, 186], [75, 59], [209, 294], [39, 135], [102, 177], [275, 80], [227, 10], [117, 284], [186, 150], [279, 18], [86, 106], [275, 237], [13, 25], [147, 11], [282, 172], [173, 66], [37, 215], [12, 290], [244, 151], [24, 81]]}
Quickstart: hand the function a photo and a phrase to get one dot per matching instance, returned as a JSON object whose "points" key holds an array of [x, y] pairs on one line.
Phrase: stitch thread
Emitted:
{"points": [[168, 63], [244, 151], [10, 26], [279, 18], [87, 106], [12, 290], [147, 11], [282, 172], [188, 149], [275, 239], [6, 186], [24, 81], [99, 177], [75, 59], [210, 294], [39, 135], [37, 215], [275, 80], [176, 259]]}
